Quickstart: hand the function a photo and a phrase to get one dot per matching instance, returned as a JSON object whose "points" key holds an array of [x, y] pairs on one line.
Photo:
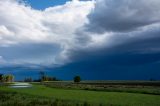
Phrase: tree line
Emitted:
{"points": [[43, 77]]}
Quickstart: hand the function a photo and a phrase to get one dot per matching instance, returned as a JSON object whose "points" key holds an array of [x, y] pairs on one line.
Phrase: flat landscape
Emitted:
{"points": [[41, 94], [79, 52]]}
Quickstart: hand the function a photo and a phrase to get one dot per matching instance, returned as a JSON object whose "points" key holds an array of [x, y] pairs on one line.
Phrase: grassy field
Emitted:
{"points": [[52, 96], [143, 87]]}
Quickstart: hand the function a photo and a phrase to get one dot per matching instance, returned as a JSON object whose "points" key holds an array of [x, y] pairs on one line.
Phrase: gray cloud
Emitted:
{"points": [[133, 52], [30, 53], [123, 48], [123, 15]]}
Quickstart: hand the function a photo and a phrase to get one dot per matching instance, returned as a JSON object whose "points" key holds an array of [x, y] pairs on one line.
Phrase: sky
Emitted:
{"points": [[96, 39], [43, 4]]}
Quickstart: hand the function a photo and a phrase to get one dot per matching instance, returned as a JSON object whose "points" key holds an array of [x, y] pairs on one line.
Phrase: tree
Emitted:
{"points": [[29, 79], [8, 78], [49, 78], [11, 78], [1, 77], [77, 79], [42, 75]]}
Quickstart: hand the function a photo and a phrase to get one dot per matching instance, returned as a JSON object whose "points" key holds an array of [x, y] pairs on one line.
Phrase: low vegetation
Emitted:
{"points": [[116, 86], [42, 95], [17, 99], [50, 92]]}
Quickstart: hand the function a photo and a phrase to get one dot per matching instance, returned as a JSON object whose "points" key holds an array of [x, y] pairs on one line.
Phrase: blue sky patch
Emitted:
{"points": [[42, 4]]}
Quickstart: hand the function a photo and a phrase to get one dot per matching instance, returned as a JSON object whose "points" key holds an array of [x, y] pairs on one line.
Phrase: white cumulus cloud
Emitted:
{"points": [[21, 24]]}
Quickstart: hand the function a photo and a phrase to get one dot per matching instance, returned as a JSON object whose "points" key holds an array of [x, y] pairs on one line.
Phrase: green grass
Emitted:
{"points": [[92, 97], [143, 87], [18, 99]]}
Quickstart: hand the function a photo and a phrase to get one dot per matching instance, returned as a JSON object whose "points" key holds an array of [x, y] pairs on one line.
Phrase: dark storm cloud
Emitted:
{"points": [[126, 45], [133, 53], [93, 71], [134, 59], [133, 48], [130, 49], [123, 15]]}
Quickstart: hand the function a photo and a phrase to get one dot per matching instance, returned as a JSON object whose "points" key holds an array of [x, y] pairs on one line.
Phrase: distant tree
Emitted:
{"points": [[42, 75], [37, 80], [52, 79], [28, 79], [8, 78], [49, 78], [151, 79], [1, 77], [4, 78], [77, 79], [45, 78]]}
